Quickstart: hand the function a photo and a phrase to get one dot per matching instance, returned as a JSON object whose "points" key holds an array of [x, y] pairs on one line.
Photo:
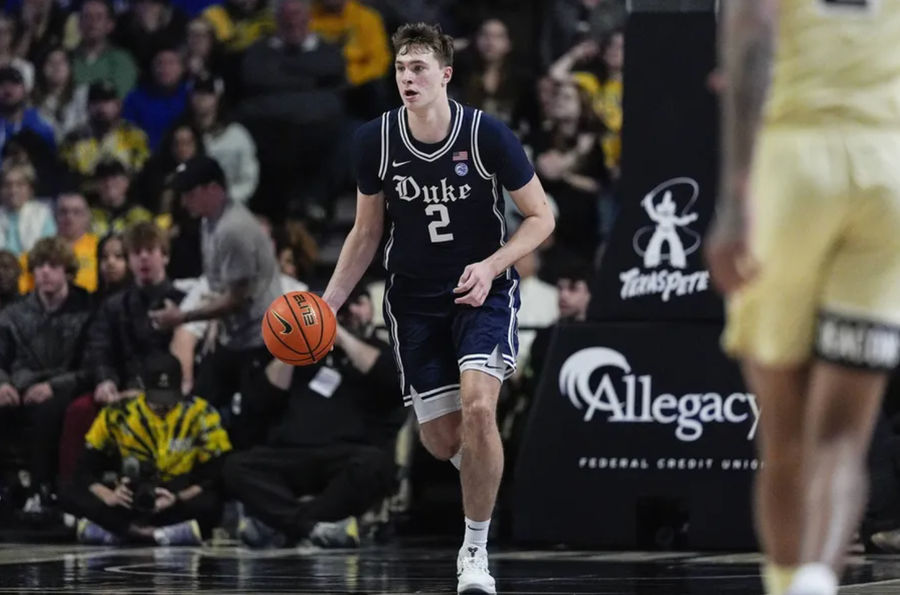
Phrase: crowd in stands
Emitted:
{"points": [[168, 167]]}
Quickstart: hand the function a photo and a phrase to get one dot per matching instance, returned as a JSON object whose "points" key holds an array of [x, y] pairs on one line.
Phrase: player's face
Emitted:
{"points": [[420, 77]]}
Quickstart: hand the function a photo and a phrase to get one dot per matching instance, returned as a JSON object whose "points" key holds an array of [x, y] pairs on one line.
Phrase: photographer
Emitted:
{"points": [[165, 451], [335, 441]]}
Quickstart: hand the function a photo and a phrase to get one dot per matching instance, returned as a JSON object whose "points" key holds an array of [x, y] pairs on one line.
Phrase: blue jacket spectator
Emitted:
{"points": [[155, 105], [14, 116]]}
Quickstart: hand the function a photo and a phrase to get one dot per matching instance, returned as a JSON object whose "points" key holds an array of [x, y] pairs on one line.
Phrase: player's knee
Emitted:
{"points": [[479, 413], [442, 446], [785, 457]]}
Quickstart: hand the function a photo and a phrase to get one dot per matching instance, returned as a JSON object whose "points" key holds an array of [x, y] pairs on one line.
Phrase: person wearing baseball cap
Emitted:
{"points": [[243, 274], [15, 115], [106, 135]]}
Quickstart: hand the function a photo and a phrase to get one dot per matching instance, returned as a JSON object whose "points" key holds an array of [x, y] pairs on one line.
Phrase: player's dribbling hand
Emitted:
{"points": [[475, 283]]}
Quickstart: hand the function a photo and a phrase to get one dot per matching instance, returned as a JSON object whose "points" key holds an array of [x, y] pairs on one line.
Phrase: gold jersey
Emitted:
{"points": [[837, 62]]}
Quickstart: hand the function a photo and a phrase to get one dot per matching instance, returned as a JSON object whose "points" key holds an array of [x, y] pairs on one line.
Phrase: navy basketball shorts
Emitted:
{"points": [[434, 339]]}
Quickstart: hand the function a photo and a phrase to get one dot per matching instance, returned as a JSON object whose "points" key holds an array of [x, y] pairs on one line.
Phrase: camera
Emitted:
{"points": [[142, 482]]}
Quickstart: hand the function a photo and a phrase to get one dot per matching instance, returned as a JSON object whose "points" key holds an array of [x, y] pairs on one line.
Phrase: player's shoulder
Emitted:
{"points": [[373, 128]]}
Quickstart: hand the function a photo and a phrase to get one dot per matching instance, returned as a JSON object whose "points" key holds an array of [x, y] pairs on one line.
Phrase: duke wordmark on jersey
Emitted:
{"points": [[408, 189]]}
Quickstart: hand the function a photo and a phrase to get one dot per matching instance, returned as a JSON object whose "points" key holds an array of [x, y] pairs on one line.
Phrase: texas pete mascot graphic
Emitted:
{"points": [[599, 380], [666, 244]]}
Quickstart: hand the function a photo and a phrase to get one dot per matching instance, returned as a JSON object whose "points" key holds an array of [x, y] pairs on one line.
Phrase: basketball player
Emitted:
{"points": [[806, 246], [433, 170]]}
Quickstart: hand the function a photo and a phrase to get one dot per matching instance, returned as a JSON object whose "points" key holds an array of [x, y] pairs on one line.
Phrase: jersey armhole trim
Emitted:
{"points": [[476, 153], [385, 139]]}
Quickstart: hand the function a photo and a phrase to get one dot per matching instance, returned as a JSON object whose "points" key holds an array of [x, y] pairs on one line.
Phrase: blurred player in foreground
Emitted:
{"points": [[806, 248]]}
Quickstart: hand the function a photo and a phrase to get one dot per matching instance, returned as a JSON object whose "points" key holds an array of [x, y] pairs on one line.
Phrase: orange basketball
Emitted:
{"points": [[299, 328]]}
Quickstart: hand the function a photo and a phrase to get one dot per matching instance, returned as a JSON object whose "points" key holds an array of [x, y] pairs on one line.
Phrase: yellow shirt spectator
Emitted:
{"points": [[85, 252], [237, 33], [606, 98], [360, 30]]}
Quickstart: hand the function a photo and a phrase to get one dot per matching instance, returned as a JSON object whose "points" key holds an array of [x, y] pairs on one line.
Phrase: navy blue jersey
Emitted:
{"points": [[445, 207]]}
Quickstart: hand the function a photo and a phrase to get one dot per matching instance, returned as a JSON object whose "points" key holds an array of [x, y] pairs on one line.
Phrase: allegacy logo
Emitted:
{"points": [[628, 397], [668, 241]]}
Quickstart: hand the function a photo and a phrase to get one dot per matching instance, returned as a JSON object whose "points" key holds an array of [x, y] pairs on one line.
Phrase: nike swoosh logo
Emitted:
{"points": [[398, 164], [287, 325]]}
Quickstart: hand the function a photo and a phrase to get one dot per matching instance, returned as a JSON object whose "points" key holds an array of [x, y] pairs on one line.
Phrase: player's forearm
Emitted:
{"points": [[531, 233], [746, 54], [356, 255]]}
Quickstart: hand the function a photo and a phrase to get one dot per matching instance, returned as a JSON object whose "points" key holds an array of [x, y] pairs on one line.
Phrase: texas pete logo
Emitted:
{"points": [[599, 380], [666, 243]]}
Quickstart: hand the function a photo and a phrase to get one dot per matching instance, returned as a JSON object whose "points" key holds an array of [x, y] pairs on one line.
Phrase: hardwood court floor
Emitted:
{"points": [[393, 569]]}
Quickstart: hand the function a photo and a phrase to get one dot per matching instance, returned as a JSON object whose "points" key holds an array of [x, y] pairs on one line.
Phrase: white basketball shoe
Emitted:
{"points": [[472, 571]]}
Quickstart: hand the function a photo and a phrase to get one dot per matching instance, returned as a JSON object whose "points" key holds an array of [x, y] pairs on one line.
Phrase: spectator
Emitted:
{"points": [[294, 75], [8, 55], [227, 142], [23, 219], [203, 53], [168, 473], [240, 265], [605, 87], [360, 30], [122, 335], [181, 144], [41, 24], [14, 113], [574, 285], [238, 24], [113, 266], [73, 222], [569, 160], [59, 101], [96, 59], [115, 211], [161, 99], [292, 84], [570, 22], [10, 270], [296, 250], [334, 441], [105, 136], [147, 27], [488, 79], [41, 345], [28, 148]]}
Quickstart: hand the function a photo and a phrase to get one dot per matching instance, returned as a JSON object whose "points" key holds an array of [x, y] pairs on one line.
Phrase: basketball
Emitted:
{"points": [[299, 328]]}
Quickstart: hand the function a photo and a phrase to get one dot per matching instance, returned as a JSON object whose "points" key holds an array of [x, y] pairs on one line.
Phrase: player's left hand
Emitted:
{"points": [[167, 317], [475, 283]]}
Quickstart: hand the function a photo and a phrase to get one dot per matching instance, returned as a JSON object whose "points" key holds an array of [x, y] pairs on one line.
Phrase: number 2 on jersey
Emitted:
{"points": [[434, 227]]}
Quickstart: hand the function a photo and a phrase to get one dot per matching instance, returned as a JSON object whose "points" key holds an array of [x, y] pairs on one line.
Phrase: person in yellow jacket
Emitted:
{"points": [[360, 31], [238, 24]]}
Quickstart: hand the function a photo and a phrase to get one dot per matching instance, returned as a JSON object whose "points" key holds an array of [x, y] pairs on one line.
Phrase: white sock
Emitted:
{"points": [[456, 460], [477, 532], [815, 578]]}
